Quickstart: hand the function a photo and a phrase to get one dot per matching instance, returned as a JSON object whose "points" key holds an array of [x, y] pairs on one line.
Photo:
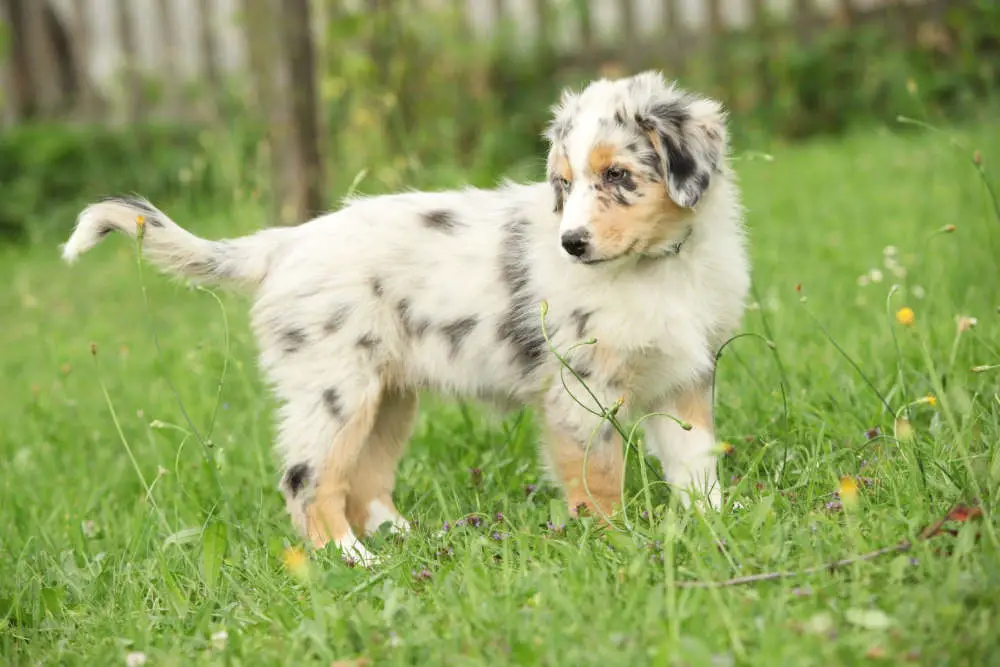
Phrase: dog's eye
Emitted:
{"points": [[565, 184], [614, 175]]}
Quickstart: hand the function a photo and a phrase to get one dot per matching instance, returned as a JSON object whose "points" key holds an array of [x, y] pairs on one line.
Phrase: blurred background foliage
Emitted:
{"points": [[411, 96]]}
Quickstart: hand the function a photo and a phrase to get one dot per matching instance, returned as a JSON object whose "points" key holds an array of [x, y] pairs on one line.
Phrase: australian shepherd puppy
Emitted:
{"points": [[635, 245]]}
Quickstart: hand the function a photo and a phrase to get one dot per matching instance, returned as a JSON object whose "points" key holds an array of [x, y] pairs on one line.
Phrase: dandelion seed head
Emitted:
{"points": [[875, 275], [964, 323]]}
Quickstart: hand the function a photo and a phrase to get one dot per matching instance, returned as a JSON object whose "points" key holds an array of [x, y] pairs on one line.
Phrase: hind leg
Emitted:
{"points": [[369, 499], [323, 434]]}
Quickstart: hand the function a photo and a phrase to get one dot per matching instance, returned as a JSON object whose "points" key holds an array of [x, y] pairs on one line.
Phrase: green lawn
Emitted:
{"points": [[117, 543]]}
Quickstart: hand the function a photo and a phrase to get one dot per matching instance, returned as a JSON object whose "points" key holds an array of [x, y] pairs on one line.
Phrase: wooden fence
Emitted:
{"points": [[101, 60]]}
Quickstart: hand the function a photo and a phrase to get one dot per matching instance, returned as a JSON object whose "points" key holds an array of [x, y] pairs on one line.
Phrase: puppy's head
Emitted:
{"points": [[629, 159]]}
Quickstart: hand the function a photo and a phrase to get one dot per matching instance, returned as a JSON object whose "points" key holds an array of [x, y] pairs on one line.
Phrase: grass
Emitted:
{"points": [[144, 541]]}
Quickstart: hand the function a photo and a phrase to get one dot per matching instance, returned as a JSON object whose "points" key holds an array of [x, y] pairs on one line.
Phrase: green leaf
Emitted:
{"points": [[52, 600], [214, 541]]}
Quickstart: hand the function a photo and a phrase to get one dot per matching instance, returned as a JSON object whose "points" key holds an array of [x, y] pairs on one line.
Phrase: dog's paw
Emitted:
{"points": [[354, 552]]}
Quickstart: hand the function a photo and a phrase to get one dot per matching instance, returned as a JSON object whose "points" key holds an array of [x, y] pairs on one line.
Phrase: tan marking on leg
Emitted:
{"points": [[374, 474], [602, 467], [695, 406], [326, 516]]}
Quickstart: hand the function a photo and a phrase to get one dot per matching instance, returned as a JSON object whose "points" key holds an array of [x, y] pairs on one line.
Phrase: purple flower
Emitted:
{"points": [[445, 527], [445, 552], [459, 523], [529, 489], [474, 520], [498, 536], [423, 575], [554, 528], [499, 517], [476, 476], [834, 506], [873, 433]]}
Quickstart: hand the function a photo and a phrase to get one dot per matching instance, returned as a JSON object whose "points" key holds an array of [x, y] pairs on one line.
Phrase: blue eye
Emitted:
{"points": [[565, 184]]}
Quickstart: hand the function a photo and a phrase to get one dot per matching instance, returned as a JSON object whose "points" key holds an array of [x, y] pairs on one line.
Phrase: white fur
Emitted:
{"points": [[343, 278]]}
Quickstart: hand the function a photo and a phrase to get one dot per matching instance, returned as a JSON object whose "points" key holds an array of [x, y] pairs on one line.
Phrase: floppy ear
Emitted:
{"points": [[689, 134]]}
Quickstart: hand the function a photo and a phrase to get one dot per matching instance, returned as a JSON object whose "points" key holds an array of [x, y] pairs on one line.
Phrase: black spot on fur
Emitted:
{"points": [[332, 402], [411, 325], [441, 220], [378, 289], [619, 117], [368, 341], [583, 372], [581, 318], [606, 432], [628, 182], [297, 477], [457, 331], [520, 324], [673, 115], [557, 188], [139, 204], [620, 198], [337, 319], [104, 231], [680, 162], [652, 160], [293, 340]]}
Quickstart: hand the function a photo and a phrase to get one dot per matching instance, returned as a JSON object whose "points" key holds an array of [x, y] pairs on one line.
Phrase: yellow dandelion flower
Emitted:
{"points": [[140, 220], [905, 316], [930, 400], [296, 561], [726, 448], [848, 490]]}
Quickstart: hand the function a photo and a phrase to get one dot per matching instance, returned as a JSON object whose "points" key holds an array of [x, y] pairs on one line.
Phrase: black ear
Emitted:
{"points": [[689, 134]]}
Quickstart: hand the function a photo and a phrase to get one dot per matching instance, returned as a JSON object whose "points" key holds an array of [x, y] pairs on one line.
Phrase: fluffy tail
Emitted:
{"points": [[169, 247]]}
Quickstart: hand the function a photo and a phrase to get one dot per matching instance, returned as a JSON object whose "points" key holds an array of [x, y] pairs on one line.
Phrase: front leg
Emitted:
{"points": [[688, 457], [584, 455]]}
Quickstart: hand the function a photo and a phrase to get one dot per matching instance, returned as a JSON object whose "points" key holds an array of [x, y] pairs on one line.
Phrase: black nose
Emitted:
{"points": [[575, 242]]}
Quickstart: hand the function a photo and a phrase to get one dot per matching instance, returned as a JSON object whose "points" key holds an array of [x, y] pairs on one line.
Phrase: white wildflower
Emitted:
{"points": [[219, 639]]}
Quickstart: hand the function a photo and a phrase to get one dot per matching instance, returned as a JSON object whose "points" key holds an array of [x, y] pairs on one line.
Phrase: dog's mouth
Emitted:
{"points": [[593, 261]]}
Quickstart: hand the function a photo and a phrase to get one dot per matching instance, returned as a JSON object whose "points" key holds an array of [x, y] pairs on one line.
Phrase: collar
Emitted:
{"points": [[674, 248]]}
